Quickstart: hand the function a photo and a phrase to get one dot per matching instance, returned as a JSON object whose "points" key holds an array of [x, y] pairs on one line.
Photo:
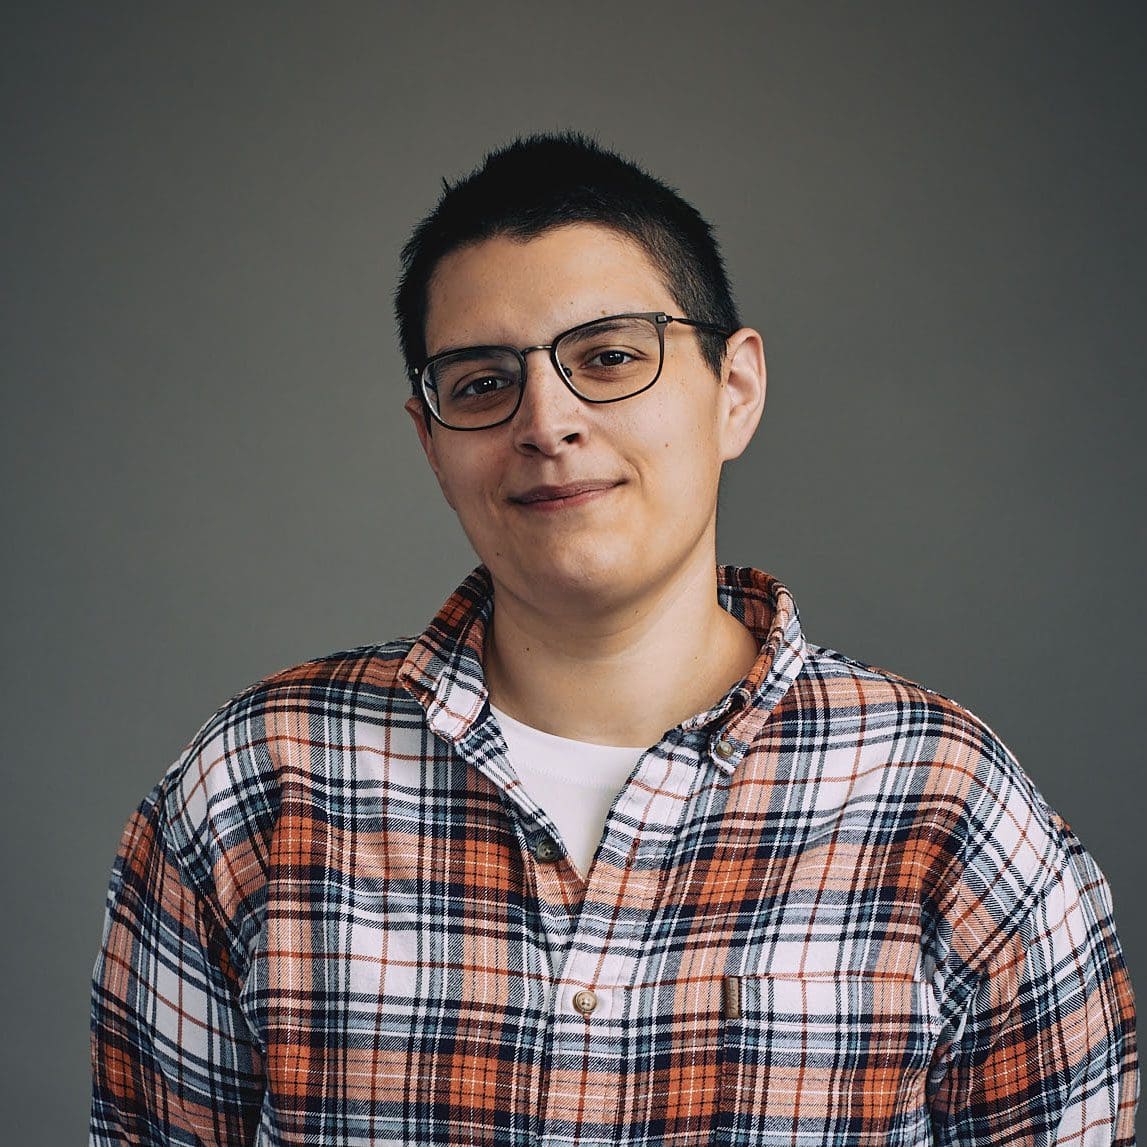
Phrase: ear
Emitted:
{"points": [[421, 419], [742, 391]]}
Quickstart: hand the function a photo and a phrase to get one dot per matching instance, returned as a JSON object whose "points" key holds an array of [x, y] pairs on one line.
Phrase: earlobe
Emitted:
{"points": [[415, 408], [743, 379], [418, 415]]}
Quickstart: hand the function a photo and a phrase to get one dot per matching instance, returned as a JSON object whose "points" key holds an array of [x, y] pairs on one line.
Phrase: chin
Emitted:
{"points": [[570, 576]]}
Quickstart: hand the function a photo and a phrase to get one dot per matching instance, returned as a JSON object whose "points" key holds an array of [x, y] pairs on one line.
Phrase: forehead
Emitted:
{"points": [[507, 290]]}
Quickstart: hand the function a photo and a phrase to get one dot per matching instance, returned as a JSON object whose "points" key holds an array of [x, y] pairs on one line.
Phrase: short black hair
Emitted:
{"points": [[544, 181]]}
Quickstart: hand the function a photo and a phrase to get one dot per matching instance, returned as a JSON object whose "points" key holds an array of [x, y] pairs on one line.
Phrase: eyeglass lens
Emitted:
{"points": [[602, 362]]}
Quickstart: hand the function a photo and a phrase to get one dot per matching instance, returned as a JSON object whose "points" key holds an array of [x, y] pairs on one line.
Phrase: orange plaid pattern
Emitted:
{"points": [[831, 909]]}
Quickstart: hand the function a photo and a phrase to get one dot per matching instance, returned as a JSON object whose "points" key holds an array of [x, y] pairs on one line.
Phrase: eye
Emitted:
{"points": [[481, 386], [611, 357], [605, 359]]}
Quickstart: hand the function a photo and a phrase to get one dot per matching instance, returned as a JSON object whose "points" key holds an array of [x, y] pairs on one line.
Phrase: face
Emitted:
{"points": [[572, 503]]}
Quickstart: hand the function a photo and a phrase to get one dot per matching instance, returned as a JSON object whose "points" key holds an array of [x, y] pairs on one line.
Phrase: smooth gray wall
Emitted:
{"points": [[933, 212]]}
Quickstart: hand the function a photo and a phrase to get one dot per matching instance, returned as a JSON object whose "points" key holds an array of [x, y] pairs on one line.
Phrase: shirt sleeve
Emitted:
{"points": [[1047, 1052], [173, 1060]]}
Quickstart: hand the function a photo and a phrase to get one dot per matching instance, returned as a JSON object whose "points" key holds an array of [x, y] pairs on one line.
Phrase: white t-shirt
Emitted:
{"points": [[574, 781]]}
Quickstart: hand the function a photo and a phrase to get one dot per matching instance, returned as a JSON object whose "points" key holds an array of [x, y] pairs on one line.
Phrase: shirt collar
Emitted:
{"points": [[443, 669]]}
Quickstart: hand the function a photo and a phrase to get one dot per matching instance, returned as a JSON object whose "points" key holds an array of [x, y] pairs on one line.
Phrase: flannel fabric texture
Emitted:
{"points": [[832, 909]]}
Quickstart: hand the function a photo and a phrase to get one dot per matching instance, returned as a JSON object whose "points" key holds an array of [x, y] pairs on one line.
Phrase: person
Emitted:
{"points": [[611, 852]]}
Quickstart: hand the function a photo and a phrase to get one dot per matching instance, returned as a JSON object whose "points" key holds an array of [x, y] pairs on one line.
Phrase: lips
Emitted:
{"points": [[563, 492]]}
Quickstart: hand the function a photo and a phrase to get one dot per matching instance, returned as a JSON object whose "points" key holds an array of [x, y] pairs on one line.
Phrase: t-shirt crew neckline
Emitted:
{"points": [[588, 751], [575, 782]]}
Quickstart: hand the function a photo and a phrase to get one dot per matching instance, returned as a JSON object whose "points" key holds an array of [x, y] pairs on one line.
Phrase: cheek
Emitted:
{"points": [[686, 456], [468, 487]]}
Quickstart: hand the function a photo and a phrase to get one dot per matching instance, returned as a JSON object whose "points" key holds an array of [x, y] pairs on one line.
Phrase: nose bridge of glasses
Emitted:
{"points": [[562, 371], [548, 402]]}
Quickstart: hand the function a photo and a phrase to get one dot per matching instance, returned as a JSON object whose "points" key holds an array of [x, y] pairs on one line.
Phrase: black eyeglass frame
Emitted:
{"points": [[660, 320]]}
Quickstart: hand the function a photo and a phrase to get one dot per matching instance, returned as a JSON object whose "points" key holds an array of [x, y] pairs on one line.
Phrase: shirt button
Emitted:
{"points": [[724, 749], [545, 850], [585, 1001]]}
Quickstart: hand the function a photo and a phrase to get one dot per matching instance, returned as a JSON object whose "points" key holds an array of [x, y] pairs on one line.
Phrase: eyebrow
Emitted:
{"points": [[605, 323]]}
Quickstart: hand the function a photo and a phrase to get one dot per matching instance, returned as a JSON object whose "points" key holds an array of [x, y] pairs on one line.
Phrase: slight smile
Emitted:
{"points": [[561, 497]]}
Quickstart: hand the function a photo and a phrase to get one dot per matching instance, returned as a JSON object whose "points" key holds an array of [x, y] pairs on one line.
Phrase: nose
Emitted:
{"points": [[551, 416]]}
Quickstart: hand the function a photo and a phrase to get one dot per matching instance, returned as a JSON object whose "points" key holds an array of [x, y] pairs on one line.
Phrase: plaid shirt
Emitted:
{"points": [[831, 909]]}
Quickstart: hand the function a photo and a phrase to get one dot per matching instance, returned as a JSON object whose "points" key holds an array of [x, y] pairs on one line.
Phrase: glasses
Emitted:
{"points": [[605, 360]]}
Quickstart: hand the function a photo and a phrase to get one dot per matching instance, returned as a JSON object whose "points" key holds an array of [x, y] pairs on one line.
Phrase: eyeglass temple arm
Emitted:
{"points": [[699, 325]]}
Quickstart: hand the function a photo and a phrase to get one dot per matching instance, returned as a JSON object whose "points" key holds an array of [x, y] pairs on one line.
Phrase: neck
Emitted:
{"points": [[617, 674]]}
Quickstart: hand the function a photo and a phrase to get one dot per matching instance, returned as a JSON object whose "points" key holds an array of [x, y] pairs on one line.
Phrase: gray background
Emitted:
{"points": [[933, 212]]}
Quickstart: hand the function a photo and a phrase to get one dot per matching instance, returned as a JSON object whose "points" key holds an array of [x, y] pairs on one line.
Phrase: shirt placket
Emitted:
{"points": [[608, 948]]}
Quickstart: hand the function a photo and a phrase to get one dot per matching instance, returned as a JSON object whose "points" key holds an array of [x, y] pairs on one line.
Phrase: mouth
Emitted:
{"points": [[567, 494]]}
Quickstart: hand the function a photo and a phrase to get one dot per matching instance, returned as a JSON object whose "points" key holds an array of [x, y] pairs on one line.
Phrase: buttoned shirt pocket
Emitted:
{"points": [[833, 1057]]}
